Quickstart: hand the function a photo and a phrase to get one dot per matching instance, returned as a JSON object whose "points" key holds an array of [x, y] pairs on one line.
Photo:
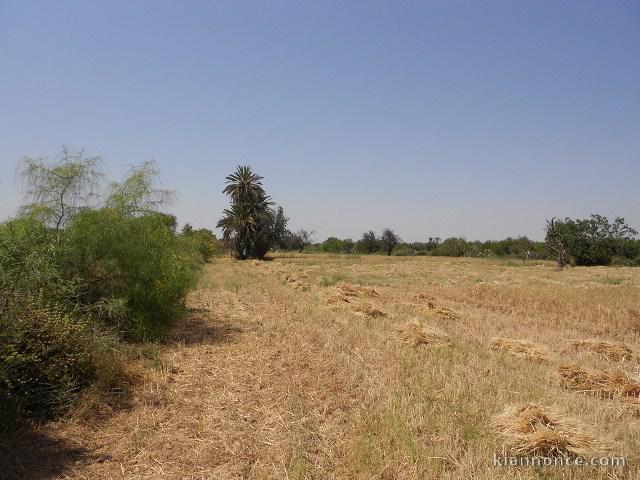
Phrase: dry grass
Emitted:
{"points": [[616, 351], [614, 383], [520, 348], [416, 333], [263, 379], [347, 293], [369, 310], [447, 313], [534, 430], [350, 290]]}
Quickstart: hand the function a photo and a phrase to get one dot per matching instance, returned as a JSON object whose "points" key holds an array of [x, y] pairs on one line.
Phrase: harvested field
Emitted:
{"points": [[614, 383], [416, 333], [616, 351], [519, 348], [264, 378], [540, 431]]}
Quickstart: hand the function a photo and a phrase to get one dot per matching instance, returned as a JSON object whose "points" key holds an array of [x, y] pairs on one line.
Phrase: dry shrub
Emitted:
{"points": [[615, 351], [369, 310], [535, 430], [416, 333], [614, 383], [519, 348]]}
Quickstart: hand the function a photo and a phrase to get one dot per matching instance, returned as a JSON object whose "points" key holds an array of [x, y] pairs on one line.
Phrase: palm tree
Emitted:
{"points": [[243, 185], [238, 225], [250, 208]]}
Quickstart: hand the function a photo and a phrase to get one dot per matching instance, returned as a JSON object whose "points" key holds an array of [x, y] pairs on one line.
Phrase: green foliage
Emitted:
{"points": [[404, 250], [28, 261], [593, 241], [452, 247], [250, 227], [369, 243], [47, 356], [136, 260], [136, 194], [61, 188], [389, 240], [69, 272], [203, 240], [335, 245]]}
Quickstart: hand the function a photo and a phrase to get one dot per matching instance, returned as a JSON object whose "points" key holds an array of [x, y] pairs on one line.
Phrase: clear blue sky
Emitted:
{"points": [[435, 118]]}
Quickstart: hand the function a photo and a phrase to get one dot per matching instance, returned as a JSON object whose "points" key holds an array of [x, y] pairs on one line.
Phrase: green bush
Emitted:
{"points": [[71, 274], [47, 357], [28, 261], [202, 240], [451, 247], [404, 251], [134, 270]]}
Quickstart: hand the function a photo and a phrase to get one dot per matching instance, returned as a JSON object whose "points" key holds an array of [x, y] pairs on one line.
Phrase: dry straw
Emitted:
{"points": [[446, 313], [615, 351], [347, 292], [423, 297], [614, 383], [351, 290], [369, 310], [416, 333], [535, 430], [519, 348]]}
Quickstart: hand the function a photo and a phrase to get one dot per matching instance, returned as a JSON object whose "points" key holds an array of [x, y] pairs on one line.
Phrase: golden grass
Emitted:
{"points": [[447, 313], [534, 430], [369, 310], [416, 333], [264, 379], [519, 348], [350, 290], [613, 383], [616, 351]]}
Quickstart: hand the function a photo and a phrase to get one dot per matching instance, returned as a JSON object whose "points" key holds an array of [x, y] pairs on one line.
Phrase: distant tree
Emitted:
{"points": [[304, 238], [332, 245], [204, 239], [452, 247], [247, 224], [592, 241], [523, 248], [369, 243], [389, 240], [60, 189], [336, 245], [280, 222], [557, 241], [187, 229], [348, 245], [433, 242]]}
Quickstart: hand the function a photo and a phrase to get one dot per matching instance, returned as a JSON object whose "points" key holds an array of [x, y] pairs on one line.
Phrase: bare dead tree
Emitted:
{"points": [[304, 238], [556, 243]]}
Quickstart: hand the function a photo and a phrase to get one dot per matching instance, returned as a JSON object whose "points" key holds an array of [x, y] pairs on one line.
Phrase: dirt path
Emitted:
{"points": [[231, 396]]}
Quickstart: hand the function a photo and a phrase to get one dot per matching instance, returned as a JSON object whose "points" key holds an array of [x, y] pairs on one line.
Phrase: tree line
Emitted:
{"points": [[252, 227]]}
